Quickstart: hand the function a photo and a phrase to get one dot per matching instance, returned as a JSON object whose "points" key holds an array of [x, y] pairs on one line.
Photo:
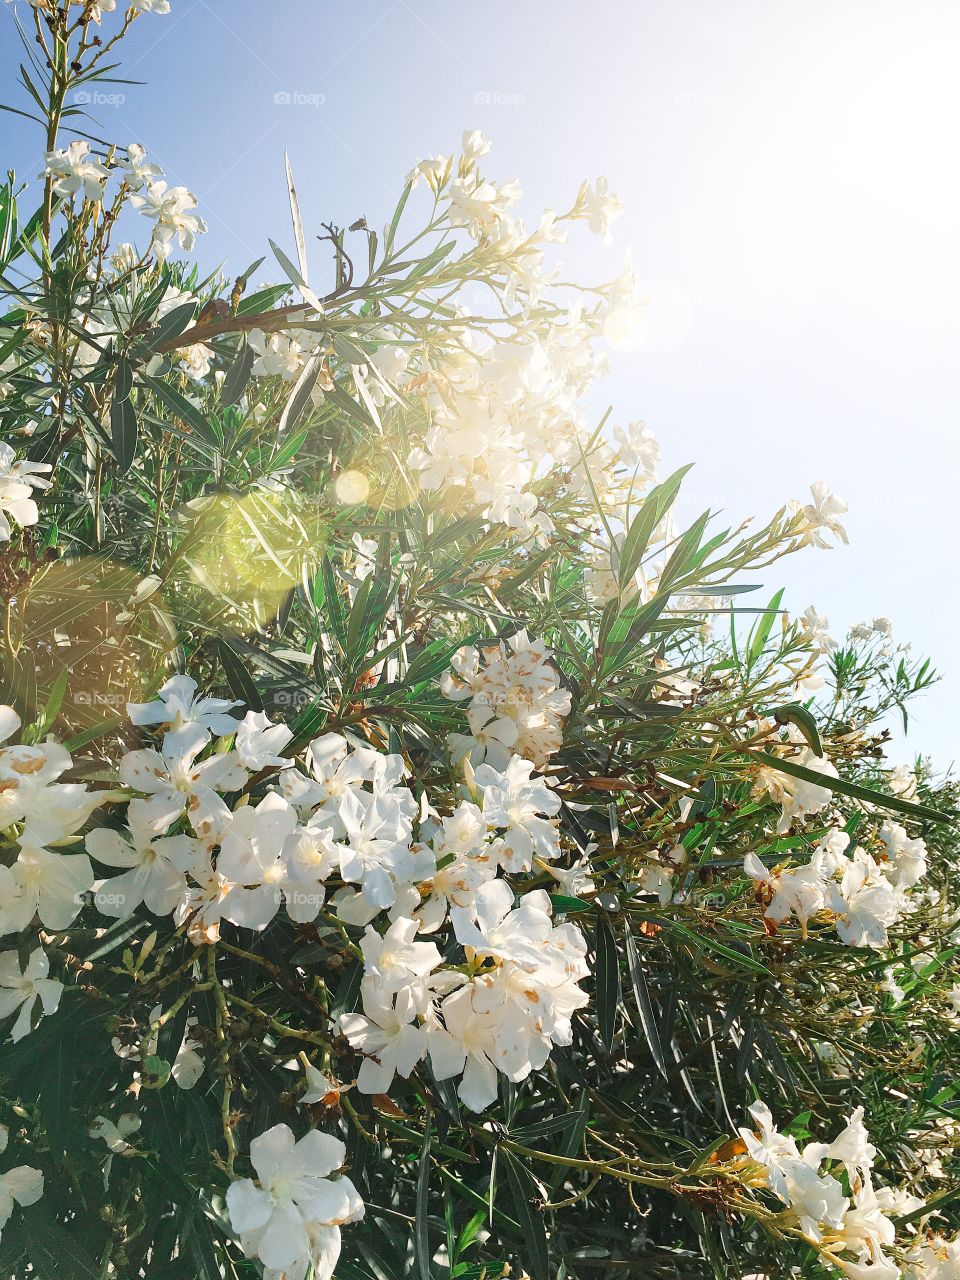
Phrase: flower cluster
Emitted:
{"points": [[43, 814], [347, 818], [515, 705], [862, 894], [839, 1222], [488, 902], [74, 171], [505, 1017]]}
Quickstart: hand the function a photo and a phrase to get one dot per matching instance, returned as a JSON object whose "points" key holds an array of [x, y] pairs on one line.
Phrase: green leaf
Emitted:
{"points": [[922, 812], [263, 300], [652, 511], [54, 702], [297, 277], [423, 1250], [536, 1254], [238, 375], [763, 628], [199, 1239], [54, 1251], [564, 904], [299, 398], [705, 940], [608, 981], [794, 713], [242, 684], [123, 418], [288, 451], [173, 324], [296, 219], [391, 231], [180, 407], [641, 994]]}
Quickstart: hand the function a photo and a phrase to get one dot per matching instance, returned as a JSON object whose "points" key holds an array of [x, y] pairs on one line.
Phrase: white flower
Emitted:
{"points": [[259, 741], [768, 1147], [157, 865], [22, 988], [908, 856], [188, 1064], [466, 1045], [291, 1216], [277, 354], [933, 1258], [376, 852], [196, 360], [97, 9], [798, 893], [178, 708], [475, 144], [75, 172], [864, 902], [903, 782], [170, 209], [434, 170], [816, 628], [137, 170], [637, 449], [576, 880], [599, 207], [115, 1136], [495, 929], [480, 206], [822, 516], [48, 884], [176, 773], [252, 840], [150, 6], [517, 704], [489, 741], [798, 797], [854, 1148], [320, 1087], [387, 1032], [18, 479], [395, 960], [524, 808], [21, 1185]]}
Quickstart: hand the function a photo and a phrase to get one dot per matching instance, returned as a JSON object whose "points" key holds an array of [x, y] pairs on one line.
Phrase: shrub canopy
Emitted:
{"points": [[421, 854]]}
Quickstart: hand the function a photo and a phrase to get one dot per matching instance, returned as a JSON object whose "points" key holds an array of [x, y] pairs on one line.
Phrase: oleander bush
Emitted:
{"points": [[421, 854]]}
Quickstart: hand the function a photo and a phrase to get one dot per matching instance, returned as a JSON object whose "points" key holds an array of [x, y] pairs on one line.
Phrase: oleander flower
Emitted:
{"points": [[290, 1217], [169, 207], [22, 987], [74, 172], [21, 1185]]}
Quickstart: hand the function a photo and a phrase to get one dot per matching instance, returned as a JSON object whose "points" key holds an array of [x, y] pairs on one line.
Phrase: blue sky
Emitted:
{"points": [[792, 203]]}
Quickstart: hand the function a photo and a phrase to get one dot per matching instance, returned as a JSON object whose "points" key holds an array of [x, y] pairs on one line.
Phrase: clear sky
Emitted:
{"points": [[791, 180]]}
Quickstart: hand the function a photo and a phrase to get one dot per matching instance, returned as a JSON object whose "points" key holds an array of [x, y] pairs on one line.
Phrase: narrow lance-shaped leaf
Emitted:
{"points": [[422, 1234], [922, 812], [123, 418], [641, 994], [535, 1255], [608, 981]]}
